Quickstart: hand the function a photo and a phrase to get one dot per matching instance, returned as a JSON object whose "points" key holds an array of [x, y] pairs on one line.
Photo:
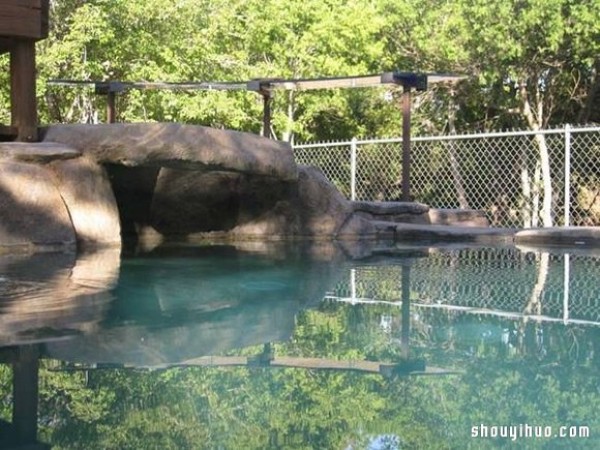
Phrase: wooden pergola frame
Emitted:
{"points": [[266, 87], [408, 81]]}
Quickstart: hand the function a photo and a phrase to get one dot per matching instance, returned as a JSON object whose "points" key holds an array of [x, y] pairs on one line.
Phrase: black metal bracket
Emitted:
{"points": [[406, 79]]}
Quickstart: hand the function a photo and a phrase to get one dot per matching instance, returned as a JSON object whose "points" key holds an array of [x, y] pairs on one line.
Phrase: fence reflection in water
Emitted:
{"points": [[486, 281]]}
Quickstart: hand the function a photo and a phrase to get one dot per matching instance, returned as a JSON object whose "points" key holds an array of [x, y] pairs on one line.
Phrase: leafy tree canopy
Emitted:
{"points": [[530, 63]]}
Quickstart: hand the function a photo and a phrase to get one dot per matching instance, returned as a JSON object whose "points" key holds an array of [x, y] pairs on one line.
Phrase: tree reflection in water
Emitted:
{"points": [[499, 371]]}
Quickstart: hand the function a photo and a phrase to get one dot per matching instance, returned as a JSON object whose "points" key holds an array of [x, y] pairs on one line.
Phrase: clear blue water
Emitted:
{"points": [[301, 347]]}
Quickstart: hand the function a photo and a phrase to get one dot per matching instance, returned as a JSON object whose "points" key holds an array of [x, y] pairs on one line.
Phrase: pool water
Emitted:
{"points": [[253, 347]]}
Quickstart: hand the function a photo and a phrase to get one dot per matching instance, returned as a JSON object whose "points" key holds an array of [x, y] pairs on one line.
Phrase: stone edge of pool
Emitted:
{"points": [[544, 237], [581, 238]]}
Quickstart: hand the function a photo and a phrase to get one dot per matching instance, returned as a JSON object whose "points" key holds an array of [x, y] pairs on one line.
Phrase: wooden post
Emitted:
{"points": [[111, 110], [25, 394], [406, 106], [266, 112], [23, 98]]}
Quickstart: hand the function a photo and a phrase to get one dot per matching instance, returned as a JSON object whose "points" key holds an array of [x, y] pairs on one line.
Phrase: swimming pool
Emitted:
{"points": [[257, 346]]}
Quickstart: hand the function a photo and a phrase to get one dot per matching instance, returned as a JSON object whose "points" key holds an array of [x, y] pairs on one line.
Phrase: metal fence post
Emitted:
{"points": [[353, 285], [353, 169], [567, 219], [406, 104], [567, 277]]}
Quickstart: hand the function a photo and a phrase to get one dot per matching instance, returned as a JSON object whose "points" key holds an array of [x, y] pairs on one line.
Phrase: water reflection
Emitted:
{"points": [[230, 348], [21, 431], [50, 296], [175, 304]]}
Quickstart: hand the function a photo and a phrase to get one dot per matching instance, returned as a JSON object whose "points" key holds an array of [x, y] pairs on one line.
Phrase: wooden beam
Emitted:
{"points": [[406, 110], [8, 132], [24, 18], [316, 83], [267, 99], [25, 394], [5, 45], [111, 107], [23, 99]]}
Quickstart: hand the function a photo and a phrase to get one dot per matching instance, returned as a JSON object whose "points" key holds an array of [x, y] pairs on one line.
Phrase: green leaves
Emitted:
{"points": [[549, 46]]}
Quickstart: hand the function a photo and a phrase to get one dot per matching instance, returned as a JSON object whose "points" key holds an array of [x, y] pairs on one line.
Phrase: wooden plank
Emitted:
{"points": [[27, 19], [23, 100], [5, 45], [26, 3], [315, 83], [25, 394], [8, 132]]}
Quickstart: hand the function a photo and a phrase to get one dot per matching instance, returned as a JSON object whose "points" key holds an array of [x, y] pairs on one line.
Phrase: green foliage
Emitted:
{"points": [[548, 47]]}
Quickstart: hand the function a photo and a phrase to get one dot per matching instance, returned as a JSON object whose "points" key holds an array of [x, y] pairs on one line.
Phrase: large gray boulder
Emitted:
{"points": [[84, 187], [178, 146], [50, 196], [31, 207], [234, 205], [189, 202], [311, 207]]}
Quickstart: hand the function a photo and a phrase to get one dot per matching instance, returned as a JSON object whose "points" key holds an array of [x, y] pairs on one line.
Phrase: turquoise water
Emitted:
{"points": [[301, 347]]}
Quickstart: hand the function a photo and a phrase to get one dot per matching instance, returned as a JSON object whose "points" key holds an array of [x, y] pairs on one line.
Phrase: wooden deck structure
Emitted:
{"points": [[22, 24]]}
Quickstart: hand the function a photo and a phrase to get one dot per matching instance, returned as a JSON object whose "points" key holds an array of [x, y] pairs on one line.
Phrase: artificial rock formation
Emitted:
{"points": [[32, 210], [52, 195], [185, 180], [95, 184], [87, 194], [178, 146]]}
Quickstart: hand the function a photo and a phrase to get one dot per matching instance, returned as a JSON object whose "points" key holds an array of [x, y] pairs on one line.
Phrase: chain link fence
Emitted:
{"points": [[503, 281], [520, 179]]}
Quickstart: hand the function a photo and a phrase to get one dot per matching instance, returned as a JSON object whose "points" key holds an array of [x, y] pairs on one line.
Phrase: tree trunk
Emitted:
{"points": [[593, 92], [459, 185], [526, 202], [535, 122], [535, 197], [535, 300], [288, 134]]}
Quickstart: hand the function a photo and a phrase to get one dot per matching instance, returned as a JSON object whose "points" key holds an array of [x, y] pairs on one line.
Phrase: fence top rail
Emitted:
{"points": [[325, 144], [496, 134]]}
